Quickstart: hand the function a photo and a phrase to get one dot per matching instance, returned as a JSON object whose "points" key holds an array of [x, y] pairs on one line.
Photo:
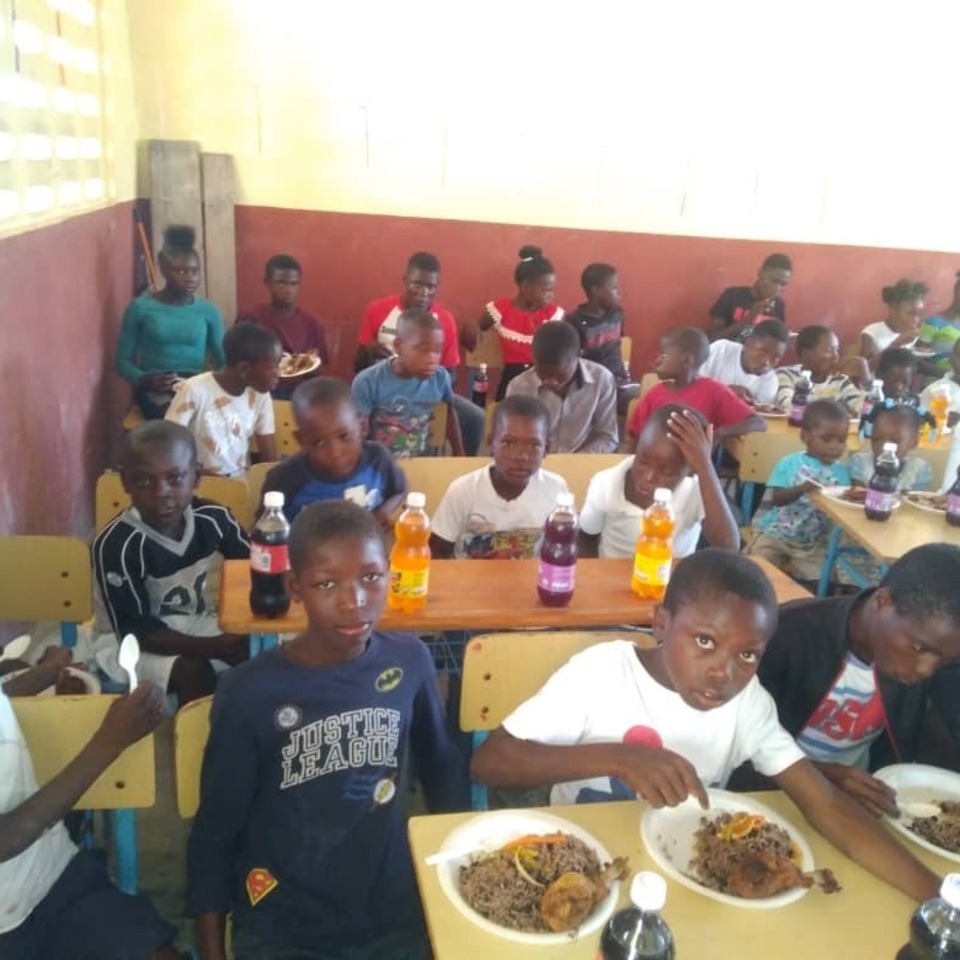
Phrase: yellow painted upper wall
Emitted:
{"points": [[818, 122]]}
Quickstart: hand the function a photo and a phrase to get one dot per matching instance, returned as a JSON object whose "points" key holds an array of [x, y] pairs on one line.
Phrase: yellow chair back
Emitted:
{"points": [[58, 728], [626, 350], [488, 351], [284, 426], [191, 729], [45, 578]]}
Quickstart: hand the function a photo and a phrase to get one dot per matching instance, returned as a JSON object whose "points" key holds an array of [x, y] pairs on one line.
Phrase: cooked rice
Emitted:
{"points": [[494, 888], [714, 857], [942, 830]]}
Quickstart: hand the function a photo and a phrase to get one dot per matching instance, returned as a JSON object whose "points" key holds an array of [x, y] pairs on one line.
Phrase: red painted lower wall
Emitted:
{"points": [[64, 290], [349, 259]]}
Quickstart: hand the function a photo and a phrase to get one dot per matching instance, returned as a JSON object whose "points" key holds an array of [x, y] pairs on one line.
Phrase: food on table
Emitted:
{"points": [[292, 364], [935, 501], [854, 495], [539, 884], [743, 855], [942, 829], [770, 409]]}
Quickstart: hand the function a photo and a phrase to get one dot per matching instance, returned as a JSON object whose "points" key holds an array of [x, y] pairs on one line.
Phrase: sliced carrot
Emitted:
{"points": [[533, 840]]}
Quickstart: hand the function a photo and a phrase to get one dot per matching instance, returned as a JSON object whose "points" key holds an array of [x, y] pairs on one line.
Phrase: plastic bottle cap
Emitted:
{"points": [[483, 368], [889, 448], [662, 493], [273, 499], [648, 890], [877, 384], [416, 500], [564, 499], [950, 890]]}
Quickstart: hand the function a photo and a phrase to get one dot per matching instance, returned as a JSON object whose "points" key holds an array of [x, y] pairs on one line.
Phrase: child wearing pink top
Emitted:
{"points": [[516, 320]]}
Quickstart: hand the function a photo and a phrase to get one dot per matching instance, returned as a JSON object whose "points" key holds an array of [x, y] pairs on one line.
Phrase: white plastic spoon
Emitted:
{"points": [[16, 648], [128, 657]]}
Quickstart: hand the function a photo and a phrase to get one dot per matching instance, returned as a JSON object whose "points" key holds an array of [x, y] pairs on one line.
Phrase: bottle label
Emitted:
{"points": [[481, 386], [269, 558], [880, 501], [409, 584], [953, 504], [796, 411], [653, 572], [556, 579]]}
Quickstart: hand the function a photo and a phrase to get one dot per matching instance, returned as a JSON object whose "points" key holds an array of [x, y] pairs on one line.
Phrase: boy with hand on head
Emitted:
{"points": [[673, 452], [57, 902], [378, 329], [682, 353], [580, 395], [335, 462], [298, 331], [853, 676], [618, 721], [738, 308], [899, 425], [792, 534], [397, 395], [819, 351], [157, 565], [949, 384], [599, 322], [301, 832], [226, 409], [748, 368], [499, 510]]}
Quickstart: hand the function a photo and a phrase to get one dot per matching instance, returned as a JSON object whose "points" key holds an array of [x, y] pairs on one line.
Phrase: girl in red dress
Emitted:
{"points": [[516, 320]]}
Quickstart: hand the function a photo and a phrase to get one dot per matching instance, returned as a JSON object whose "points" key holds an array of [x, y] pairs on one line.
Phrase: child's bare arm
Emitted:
{"points": [[661, 777], [387, 511], [128, 719], [230, 647], [854, 833], [212, 936], [588, 544], [781, 496], [440, 549], [453, 431], [43, 675], [752, 424], [267, 447]]}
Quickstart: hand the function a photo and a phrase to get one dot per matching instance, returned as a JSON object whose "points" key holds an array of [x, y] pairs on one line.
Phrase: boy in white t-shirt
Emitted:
{"points": [[226, 409], [748, 368], [57, 902], [673, 451], [499, 510], [663, 723]]}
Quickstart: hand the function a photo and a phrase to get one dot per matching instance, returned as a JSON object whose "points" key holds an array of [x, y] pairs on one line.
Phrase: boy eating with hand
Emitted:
{"points": [[499, 510], [397, 395], [673, 452], [619, 721], [334, 461], [748, 368], [301, 832], [157, 566]]}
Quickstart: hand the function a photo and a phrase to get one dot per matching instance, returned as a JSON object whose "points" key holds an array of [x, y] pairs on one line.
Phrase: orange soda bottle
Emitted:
{"points": [[410, 557], [653, 559], [939, 407]]}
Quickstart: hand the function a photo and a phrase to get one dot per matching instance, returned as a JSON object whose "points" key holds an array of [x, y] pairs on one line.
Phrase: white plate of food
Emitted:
{"points": [[770, 411], [297, 364], [484, 883], [928, 502], [929, 802], [739, 852], [854, 497]]}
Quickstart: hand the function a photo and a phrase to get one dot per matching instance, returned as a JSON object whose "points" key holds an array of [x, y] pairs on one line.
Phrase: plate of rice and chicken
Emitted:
{"points": [[530, 877], [929, 802], [739, 851]]}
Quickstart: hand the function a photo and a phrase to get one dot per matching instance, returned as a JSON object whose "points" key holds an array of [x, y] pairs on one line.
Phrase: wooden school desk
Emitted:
{"points": [[867, 920], [485, 595]]}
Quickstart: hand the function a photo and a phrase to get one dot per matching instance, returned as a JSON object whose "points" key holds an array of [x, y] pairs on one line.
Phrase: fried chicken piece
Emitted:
{"points": [[765, 874], [572, 897]]}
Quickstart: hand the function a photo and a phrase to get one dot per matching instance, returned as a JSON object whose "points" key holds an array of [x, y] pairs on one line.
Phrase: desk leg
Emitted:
{"points": [[478, 792], [746, 501], [125, 837], [254, 645], [833, 548], [267, 641], [68, 634]]}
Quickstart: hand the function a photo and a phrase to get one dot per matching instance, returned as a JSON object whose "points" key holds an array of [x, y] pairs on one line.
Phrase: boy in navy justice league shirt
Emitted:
{"points": [[335, 462], [300, 832]]}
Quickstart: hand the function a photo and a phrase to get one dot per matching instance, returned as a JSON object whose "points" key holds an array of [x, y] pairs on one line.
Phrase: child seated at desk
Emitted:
{"points": [[225, 410], [619, 721], [899, 425], [738, 308], [748, 368], [580, 395], [301, 833], [949, 384], [157, 566], [853, 676], [57, 902], [792, 534], [673, 451], [298, 331], [397, 395], [334, 461], [819, 351], [901, 327], [499, 510], [682, 353]]}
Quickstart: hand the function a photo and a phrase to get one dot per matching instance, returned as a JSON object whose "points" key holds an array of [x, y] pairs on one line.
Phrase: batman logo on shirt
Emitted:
{"points": [[389, 679]]}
